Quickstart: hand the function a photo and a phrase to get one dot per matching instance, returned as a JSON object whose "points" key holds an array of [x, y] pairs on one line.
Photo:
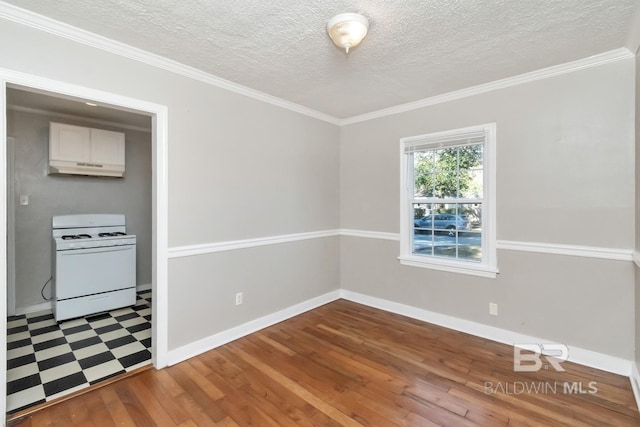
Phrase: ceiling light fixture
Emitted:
{"points": [[91, 104], [347, 30]]}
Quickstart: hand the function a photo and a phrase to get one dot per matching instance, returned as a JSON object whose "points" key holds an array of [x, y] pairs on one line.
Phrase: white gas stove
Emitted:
{"points": [[94, 264]]}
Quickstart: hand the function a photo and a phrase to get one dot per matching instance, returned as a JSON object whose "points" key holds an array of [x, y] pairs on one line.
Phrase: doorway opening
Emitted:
{"points": [[66, 102]]}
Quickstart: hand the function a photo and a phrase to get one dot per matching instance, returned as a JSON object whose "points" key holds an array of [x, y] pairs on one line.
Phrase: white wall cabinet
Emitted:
{"points": [[84, 151], [107, 147]]}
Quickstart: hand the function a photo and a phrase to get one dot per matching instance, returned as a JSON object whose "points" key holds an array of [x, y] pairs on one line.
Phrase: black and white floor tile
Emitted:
{"points": [[46, 360]]}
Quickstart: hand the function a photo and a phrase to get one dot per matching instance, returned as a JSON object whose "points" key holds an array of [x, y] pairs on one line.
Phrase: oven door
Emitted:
{"points": [[90, 271]]}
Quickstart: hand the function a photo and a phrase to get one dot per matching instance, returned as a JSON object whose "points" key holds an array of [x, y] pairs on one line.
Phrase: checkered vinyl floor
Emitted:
{"points": [[46, 360]]}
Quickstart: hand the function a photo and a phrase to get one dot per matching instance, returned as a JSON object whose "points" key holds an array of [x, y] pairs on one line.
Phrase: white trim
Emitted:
{"points": [[208, 248], [3, 247], [548, 248], [48, 305], [556, 70], [369, 234], [160, 236], [160, 191], [569, 250], [511, 245], [461, 267], [634, 378], [205, 344], [77, 117], [11, 226], [144, 287], [51, 26], [578, 355]]}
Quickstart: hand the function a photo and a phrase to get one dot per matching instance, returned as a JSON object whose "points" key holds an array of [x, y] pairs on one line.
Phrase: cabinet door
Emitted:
{"points": [[70, 143], [107, 147]]}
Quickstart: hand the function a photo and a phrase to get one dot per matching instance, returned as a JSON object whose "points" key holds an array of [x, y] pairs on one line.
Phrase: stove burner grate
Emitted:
{"points": [[113, 234], [75, 236]]}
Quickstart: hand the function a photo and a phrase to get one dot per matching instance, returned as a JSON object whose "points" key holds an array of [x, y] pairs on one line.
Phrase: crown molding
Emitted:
{"points": [[51, 26], [633, 38], [556, 70]]}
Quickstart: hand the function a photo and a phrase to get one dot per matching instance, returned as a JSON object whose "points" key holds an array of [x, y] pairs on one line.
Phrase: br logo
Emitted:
{"points": [[527, 357]]}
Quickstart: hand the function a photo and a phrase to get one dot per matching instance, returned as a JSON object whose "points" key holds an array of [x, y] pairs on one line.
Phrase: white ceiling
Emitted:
{"points": [[415, 48], [55, 105]]}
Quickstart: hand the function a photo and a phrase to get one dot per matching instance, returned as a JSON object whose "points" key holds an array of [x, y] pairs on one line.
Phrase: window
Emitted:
{"points": [[448, 201]]}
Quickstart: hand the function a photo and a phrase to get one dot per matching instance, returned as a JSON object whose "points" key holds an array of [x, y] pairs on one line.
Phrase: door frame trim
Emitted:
{"points": [[11, 237], [160, 190]]}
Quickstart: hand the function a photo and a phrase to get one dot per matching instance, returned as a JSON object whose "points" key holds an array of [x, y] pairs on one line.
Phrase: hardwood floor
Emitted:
{"points": [[351, 365]]}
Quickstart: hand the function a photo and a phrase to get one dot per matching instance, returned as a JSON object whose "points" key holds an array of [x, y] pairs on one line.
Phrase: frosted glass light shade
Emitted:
{"points": [[347, 30]]}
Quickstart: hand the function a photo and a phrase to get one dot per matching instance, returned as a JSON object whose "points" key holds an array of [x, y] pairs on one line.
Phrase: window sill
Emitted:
{"points": [[462, 267]]}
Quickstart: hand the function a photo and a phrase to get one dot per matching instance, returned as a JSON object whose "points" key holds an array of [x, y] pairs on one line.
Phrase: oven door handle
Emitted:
{"points": [[85, 251]]}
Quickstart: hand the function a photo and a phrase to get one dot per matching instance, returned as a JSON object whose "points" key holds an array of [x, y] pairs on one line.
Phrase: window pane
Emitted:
{"points": [[446, 169], [449, 172], [422, 217], [424, 169], [470, 171], [449, 230], [473, 187], [471, 156]]}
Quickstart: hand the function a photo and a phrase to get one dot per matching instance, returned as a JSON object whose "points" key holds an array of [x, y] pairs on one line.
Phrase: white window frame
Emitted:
{"points": [[489, 266]]}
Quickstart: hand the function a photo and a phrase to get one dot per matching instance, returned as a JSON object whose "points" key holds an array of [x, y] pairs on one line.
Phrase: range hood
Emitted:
{"points": [[77, 150], [87, 169]]}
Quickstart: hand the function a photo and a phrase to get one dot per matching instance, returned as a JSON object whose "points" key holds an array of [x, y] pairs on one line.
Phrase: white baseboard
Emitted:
{"points": [[144, 287], [201, 346], [34, 308], [577, 355], [48, 305], [635, 383]]}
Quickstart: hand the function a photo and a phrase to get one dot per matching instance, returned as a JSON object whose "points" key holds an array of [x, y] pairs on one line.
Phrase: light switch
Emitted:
{"points": [[493, 309], [24, 199]]}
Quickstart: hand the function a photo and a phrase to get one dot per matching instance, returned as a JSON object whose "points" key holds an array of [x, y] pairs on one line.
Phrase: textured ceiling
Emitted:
{"points": [[415, 48]]}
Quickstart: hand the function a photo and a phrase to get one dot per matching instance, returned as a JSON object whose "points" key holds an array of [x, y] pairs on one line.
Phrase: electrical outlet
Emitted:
{"points": [[493, 309], [239, 298]]}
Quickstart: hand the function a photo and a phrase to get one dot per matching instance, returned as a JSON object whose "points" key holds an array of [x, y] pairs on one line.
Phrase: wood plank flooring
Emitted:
{"points": [[345, 364]]}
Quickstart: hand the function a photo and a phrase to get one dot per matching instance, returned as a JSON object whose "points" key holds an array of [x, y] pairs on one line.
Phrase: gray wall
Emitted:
{"points": [[271, 278], [564, 166], [66, 194], [238, 168]]}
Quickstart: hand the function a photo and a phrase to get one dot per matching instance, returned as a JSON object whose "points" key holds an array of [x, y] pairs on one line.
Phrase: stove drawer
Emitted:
{"points": [[90, 271], [90, 304]]}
